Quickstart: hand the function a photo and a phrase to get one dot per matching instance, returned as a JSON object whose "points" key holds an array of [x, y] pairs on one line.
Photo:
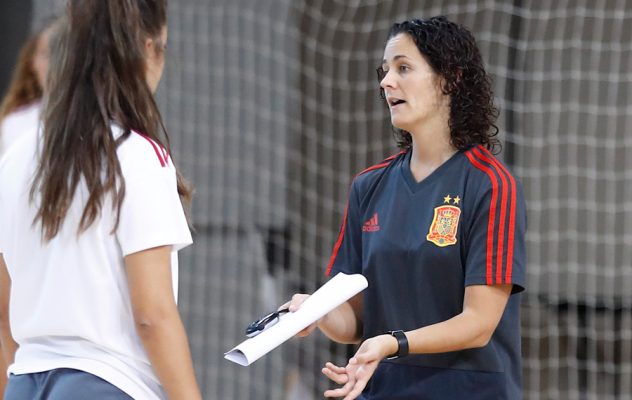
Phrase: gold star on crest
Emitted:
{"points": [[447, 199], [457, 199]]}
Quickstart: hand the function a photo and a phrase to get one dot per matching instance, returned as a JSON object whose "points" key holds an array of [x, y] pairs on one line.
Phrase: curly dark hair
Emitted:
{"points": [[451, 51]]}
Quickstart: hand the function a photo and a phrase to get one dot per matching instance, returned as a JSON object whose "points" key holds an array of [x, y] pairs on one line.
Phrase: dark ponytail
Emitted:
{"points": [[97, 76]]}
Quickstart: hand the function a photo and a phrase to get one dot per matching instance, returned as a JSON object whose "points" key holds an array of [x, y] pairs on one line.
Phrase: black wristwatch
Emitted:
{"points": [[402, 344]]}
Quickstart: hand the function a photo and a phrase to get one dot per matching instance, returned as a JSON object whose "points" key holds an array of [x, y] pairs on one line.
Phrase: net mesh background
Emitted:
{"points": [[273, 107]]}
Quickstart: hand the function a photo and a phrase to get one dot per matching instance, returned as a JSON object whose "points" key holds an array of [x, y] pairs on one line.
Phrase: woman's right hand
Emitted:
{"points": [[293, 305]]}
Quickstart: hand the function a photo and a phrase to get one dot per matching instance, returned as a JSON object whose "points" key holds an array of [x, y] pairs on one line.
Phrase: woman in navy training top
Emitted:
{"points": [[438, 231]]}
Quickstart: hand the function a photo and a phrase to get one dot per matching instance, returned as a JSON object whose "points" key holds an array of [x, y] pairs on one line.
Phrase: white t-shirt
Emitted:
{"points": [[70, 305], [20, 123]]}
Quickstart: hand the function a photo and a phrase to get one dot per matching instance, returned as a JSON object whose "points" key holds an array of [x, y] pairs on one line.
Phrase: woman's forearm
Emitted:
{"points": [[344, 323], [7, 344], [167, 347], [483, 308], [158, 322], [458, 333]]}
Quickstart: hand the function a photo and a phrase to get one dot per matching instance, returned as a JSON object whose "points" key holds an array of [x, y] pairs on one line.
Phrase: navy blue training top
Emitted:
{"points": [[419, 244]]}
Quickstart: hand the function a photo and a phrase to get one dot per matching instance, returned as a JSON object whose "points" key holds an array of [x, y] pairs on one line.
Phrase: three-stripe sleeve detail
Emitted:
{"points": [[161, 152], [501, 222]]}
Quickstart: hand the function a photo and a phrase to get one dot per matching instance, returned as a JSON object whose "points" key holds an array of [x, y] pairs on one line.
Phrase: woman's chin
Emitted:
{"points": [[397, 123]]}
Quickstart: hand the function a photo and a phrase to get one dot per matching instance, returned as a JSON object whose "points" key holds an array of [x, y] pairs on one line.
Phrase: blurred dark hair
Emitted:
{"points": [[97, 76], [451, 52], [24, 88]]}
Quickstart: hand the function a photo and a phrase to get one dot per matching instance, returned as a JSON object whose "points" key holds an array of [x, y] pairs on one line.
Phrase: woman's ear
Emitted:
{"points": [[149, 45]]}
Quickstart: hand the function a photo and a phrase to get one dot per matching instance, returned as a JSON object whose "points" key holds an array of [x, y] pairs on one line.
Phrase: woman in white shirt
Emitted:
{"points": [[92, 219], [20, 108]]}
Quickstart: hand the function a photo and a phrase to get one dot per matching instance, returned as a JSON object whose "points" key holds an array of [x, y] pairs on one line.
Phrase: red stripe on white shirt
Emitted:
{"points": [[161, 152]]}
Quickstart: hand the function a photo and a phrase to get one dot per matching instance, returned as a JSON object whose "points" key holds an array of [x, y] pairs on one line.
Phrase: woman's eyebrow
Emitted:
{"points": [[395, 58]]}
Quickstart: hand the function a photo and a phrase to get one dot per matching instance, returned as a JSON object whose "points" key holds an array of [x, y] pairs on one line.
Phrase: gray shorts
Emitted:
{"points": [[61, 384]]}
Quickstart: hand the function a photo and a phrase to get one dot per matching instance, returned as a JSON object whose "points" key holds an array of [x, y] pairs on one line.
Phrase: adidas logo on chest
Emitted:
{"points": [[372, 225]]}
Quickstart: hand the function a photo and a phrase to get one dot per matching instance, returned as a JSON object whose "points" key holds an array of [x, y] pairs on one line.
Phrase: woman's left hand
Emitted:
{"points": [[355, 376]]}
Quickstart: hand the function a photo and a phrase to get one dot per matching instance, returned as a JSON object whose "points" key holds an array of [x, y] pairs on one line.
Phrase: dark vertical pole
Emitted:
{"points": [[510, 94], [15, 21]]}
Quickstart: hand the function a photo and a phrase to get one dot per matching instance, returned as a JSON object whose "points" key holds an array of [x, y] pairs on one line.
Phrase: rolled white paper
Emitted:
{"points": [[334, 292]]}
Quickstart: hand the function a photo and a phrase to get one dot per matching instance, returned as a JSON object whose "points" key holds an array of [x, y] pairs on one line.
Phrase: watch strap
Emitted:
{"points": [[402, 344]]}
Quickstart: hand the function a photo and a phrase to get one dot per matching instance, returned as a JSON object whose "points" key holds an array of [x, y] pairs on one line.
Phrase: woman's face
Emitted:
{"points": [[40, 58], [412, 89], [155, 59]]}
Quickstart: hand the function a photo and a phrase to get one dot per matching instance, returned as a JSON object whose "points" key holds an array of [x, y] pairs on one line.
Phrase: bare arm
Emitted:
{"points": [[158, 321], [483, 306], [344, 323], [7, 344]]}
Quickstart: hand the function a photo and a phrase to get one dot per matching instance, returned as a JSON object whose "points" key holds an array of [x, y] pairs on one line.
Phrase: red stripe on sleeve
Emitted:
{"points": [[492, 215], [334, 253], [166, 155], [512, 219], [503, 214], [341, 235], [156, 149]]}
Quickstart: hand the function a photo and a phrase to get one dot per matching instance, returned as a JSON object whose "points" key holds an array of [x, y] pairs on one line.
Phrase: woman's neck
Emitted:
{"points": [[431, 147]]}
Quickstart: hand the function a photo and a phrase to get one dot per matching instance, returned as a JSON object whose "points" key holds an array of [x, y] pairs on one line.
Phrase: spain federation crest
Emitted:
{"points": [[444, 225]]}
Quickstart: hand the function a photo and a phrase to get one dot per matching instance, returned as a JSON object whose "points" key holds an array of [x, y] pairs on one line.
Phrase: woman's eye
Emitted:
{"points": [[403, 68]]}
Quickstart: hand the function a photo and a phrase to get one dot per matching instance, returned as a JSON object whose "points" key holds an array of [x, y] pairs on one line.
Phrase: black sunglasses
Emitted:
{"points": [[264, 322]]}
